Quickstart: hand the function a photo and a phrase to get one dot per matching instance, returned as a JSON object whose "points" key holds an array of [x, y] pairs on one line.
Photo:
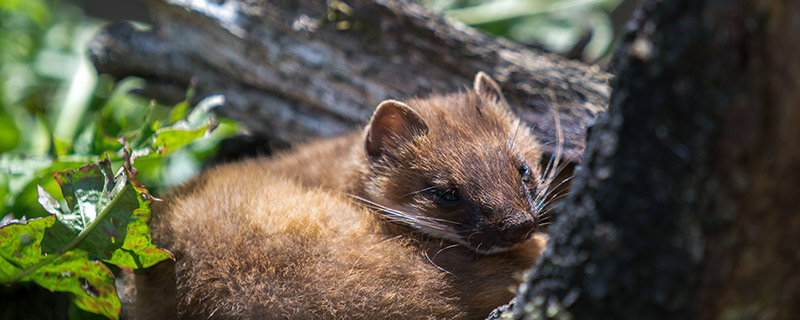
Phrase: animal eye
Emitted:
{"points": [[524, 170], [448, 196]]}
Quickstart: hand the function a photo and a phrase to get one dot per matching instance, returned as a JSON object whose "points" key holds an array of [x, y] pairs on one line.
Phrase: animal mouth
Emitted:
{"points": [[518, 233], [496, 241], [487, 249], [491, 243]]}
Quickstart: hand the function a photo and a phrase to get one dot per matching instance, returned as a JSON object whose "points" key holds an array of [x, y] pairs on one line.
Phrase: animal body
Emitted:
{"points": [[428, 213]]}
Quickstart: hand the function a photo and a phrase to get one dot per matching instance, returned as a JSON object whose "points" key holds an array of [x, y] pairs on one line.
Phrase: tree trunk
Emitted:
{"points": [[291, 70], [687, 205]]}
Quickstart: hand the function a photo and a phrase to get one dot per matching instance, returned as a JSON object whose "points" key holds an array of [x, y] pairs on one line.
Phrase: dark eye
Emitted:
{"points": [[447, 196], [524, 170]]}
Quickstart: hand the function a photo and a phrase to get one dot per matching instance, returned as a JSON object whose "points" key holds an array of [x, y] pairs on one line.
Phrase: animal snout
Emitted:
{"points": [[518, 232]]}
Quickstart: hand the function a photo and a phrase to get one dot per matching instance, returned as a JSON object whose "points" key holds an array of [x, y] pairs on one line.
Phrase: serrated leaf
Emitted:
{"points": [[90, 282], [121, 236], [105, 218], [20, 242]]}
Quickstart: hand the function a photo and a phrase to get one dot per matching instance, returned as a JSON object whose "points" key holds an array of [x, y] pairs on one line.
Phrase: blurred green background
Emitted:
{"points": [[57, 113], [580, 29]]}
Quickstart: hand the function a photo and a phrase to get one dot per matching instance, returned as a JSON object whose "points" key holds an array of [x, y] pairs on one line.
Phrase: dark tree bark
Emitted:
{"points": [[687, 206], [298, 69]]}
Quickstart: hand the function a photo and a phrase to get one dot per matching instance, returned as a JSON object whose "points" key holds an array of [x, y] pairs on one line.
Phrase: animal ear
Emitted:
{"points": [[485, 86], [392, 124]]}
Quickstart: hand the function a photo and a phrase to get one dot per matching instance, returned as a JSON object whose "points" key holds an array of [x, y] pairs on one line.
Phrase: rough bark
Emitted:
{"points": [[687, 204], [298, 69]]}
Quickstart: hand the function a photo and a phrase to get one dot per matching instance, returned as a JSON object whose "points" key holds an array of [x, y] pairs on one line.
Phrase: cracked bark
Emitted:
{"points": [[292, 70]]}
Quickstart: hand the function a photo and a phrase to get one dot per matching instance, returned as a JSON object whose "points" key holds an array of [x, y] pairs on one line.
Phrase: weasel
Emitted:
{"points": [[429, 212]]}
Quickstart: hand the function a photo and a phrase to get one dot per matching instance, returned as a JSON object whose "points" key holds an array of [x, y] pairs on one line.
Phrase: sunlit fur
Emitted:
{"points": [[327, 231], [474, 146], [252, 244]]}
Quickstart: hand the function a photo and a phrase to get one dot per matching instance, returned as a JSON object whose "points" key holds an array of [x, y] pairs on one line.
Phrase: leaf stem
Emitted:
{"points": [[72, 244]]}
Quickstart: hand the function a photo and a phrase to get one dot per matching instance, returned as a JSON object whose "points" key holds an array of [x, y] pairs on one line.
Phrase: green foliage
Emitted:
{"points": [[116, 208], [556, 24], [99, 215], [105, 218], [57, 114]]}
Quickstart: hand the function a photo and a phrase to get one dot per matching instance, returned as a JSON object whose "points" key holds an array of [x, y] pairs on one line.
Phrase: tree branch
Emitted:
{"points": [[300, 69]]}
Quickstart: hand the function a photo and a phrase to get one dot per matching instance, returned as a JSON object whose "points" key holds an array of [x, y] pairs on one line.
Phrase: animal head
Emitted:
{"points": [[460, 167]]}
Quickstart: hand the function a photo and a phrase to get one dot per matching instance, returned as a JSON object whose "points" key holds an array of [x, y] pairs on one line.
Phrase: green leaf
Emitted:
{"points": [[49, 203], [121, 236], [90, 282], [105, 218], [168, 140], [183, 132], [20, 243], [178, 112]]}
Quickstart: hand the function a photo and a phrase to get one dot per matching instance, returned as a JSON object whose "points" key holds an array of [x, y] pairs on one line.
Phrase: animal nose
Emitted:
{"points": [[518, 232]]}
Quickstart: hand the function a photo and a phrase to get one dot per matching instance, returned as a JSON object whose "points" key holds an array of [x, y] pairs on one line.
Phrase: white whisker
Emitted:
{"points": [[437, 266], [436, 227], [418, 191], [443, 249]]}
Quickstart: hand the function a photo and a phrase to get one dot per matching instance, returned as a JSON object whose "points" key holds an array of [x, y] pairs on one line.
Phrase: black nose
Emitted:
{"points": [[518, 232]]}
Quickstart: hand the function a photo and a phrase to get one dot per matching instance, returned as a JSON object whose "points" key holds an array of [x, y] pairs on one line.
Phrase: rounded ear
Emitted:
{"points": [[485, 86], [392, 124]]}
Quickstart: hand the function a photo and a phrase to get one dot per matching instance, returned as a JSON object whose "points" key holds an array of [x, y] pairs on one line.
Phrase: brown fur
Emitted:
{"points": [[281, 238]]}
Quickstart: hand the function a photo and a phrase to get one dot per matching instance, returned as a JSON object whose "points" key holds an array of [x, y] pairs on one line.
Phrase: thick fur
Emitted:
{"points": [[345, 229], [473, 144], [254, 245]]}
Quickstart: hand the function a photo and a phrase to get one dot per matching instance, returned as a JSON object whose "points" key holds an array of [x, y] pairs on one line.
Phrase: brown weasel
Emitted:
{"points": [[428, 213]]}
